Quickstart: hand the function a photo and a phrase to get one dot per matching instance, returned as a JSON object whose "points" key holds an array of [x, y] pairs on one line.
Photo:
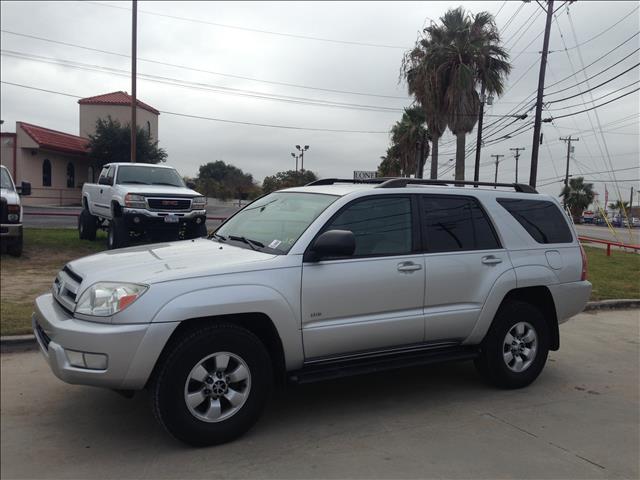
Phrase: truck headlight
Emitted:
{"points": [[199, 202], [104, 299], [133, 200], [13, 213]]}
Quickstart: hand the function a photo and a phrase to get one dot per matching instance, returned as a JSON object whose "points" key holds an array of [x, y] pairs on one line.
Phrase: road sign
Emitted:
{"points": [[364, 174]]}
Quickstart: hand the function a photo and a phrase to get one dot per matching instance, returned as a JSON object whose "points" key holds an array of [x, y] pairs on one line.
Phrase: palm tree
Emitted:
{"points": [[447, 66], [406, 136], [620, 206], [577, 196]]}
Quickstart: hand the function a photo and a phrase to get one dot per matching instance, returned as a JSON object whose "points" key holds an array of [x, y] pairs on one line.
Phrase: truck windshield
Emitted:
{"points": [[148, 176], [275, 221], [5, 179]]}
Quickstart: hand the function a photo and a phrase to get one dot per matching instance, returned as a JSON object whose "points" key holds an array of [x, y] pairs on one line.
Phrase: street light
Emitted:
{"points": [[302, 150], [296, 157]]}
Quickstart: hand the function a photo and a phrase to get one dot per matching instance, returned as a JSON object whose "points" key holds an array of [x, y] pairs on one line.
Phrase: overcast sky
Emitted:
{"points": [[203, 36]]}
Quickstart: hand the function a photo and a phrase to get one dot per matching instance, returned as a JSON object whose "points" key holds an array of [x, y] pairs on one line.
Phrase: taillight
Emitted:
{"points": [[583, 275]]}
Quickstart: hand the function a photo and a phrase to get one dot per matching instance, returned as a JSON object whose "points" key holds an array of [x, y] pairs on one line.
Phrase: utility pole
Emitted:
{"points": [[568, 140], [476, 170], [631, 199], [134, 102], [497, 157], [543, 68], [517, 155], [296, 157], [302, 150]]}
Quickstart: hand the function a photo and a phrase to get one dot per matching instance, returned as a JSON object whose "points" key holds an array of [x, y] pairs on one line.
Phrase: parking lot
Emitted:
{"points": [[579, 420]]}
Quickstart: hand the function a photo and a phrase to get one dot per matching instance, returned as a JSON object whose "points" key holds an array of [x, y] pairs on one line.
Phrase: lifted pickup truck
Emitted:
{"points": [[142, 201]]}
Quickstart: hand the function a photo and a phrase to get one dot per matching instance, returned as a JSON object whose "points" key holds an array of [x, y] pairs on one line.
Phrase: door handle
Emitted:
{"points": [[100, 190], [408, 267], [491, 260]]}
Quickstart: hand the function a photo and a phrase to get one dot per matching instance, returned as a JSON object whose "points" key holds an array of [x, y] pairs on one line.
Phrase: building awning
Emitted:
{"points": [[54, 140]]}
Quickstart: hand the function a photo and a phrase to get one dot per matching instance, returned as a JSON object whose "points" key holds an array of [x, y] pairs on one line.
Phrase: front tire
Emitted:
{"points": [[515, 349], [87, 225], [118, 235], [15, 247], [196, 231], [213, 385]]}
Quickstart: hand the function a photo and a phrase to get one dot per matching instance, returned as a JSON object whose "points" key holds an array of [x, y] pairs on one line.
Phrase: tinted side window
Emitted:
{"points": [[102, 179], [455, 223], [382, 226], [543, 220]]}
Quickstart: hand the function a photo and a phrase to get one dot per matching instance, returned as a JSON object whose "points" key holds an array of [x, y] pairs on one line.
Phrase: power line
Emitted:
{"points": [[184, 67], [594, 100], [592, 108], [253, 30], [237, 122]]}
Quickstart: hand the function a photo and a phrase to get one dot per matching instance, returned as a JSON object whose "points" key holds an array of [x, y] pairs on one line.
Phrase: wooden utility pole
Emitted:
{"points": [[517, 155], [497, 157], [134, 101], [476, 170], [568, 140], [543, 68]]}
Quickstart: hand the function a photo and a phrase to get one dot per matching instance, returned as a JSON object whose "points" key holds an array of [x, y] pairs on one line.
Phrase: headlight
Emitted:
{"points": [[199, 202], [13, 213], [132, 200], [104, 299]]}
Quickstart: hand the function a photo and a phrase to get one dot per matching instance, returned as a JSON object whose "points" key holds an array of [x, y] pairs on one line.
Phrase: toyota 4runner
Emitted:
{"points": [[332, 279]]}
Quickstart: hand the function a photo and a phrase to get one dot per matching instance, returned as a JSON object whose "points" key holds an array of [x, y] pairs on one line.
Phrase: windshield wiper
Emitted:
{"points": [[165, 183], [219, 237], [252, 243]]}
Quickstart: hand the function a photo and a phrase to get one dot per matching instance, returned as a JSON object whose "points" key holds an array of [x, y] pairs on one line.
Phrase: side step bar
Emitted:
{"points": [[330, 369]]}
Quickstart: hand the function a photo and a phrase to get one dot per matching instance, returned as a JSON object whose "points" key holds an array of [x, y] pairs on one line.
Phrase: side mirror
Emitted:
{"points": [[25, 189], [333, 243], [191, 185]]}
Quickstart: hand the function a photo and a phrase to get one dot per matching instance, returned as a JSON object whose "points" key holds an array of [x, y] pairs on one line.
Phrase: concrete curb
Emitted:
{"points": [[624, 303]]}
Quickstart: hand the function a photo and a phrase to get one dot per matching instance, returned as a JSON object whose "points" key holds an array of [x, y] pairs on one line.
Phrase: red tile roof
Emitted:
{"points": [[116, 98], [54, 140]]}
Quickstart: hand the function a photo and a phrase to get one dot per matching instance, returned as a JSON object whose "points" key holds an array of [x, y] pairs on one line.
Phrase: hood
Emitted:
{"points": [[157, 190], [10, 196], [168, 261]]}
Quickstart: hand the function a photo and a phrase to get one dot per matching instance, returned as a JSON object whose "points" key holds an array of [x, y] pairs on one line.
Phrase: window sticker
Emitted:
{"points": [[274, 244]]}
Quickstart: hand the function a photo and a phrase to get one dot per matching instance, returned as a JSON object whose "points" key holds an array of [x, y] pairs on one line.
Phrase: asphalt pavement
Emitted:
{"points": [[580, 419], [617, 235]]}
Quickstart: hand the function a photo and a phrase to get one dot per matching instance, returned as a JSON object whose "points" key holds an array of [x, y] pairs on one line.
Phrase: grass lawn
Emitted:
{"points": [[47, 250]]}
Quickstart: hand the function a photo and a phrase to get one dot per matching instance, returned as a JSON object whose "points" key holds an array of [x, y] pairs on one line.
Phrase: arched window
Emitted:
{"points": [[90, 175], [71, 175], [149, 128], [46, 173]]}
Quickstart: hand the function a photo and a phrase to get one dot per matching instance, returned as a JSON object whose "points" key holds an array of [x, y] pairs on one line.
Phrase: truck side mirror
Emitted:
{"points": [[191, 185], [25, 189]]}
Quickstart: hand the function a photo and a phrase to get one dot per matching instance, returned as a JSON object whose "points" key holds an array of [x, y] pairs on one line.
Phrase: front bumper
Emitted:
{"points": [[131, 350], [11, 230], [139, 219]]}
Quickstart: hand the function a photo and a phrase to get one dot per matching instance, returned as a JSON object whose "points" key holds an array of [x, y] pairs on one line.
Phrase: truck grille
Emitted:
{"points": [[169, 204], [65, 288], [3, 210]]}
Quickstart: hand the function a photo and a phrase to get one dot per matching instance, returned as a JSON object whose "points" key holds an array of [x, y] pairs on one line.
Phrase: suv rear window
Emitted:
{"points": [[543, 220], [455, 223]]}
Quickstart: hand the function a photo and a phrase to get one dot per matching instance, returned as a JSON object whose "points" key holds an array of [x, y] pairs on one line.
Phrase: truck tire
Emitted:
{"points": [[516, 346], [87, 225], [14, 247], [118, 236], [196, 231], [212, 385]]}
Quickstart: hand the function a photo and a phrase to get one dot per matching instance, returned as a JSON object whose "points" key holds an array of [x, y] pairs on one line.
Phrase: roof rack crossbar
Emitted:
{"points": [[331, 181], [403, 182]]}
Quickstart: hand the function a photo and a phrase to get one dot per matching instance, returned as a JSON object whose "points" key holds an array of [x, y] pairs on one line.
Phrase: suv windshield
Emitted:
{"points": [[5, 179], [275, 221], [149, 176]]}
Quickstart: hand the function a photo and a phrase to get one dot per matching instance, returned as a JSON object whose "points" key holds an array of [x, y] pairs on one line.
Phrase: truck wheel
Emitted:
{"points": [[196, 231], [213, 385], [87, 225], [118, 235], [515, 349], [14, 248]]}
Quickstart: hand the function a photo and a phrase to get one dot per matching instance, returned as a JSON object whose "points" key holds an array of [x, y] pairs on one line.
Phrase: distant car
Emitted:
{"points": [[11, 212]]}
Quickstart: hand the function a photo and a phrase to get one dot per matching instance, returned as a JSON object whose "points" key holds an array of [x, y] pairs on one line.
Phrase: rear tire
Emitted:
{"points": [[87, 225], [516, 346], [191, 400], [118, 235]]}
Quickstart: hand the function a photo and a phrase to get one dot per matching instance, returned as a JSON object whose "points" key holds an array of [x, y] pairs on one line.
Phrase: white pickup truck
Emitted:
{"points": [[141, 201]]}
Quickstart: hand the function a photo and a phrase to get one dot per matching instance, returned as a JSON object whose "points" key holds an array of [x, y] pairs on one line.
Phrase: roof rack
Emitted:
{"points": [[400, 182]]}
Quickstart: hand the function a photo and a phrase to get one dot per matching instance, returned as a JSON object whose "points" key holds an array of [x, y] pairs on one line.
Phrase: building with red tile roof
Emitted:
{"points": [[56, 163]]}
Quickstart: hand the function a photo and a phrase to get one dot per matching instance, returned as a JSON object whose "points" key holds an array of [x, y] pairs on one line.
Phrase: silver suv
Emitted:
{"points": [[332, 279]]}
